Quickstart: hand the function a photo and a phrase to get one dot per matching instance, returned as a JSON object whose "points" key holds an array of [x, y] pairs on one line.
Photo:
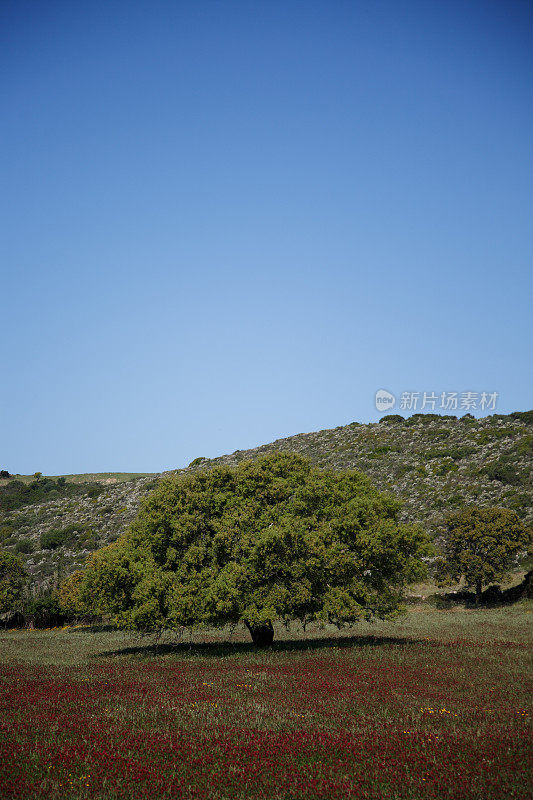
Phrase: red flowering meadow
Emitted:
{"points": [[398, 717]]}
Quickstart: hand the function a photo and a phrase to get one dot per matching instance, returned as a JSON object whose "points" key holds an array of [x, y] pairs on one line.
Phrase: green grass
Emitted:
{"points": [[433, 706], [77, 645]]}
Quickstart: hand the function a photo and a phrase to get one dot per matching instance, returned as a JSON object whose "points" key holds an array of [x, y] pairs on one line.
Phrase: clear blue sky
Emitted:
{"points": [[228, 222]]}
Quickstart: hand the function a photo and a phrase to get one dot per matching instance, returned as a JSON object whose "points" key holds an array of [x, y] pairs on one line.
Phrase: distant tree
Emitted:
{"points": [[481, 545], [37, 475], [69, 594], [13, 577], [43, 609], [4, 473], [275, 538]]}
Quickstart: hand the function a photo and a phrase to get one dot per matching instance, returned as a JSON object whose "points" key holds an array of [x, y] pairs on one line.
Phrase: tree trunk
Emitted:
{"points": [[262, 635], [479, 588]]}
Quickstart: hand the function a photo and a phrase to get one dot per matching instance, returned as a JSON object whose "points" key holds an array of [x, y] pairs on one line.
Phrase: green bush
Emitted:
{"points": [[519, 502], [525, 447], [504, 470], [95, 491], [57, 537], [6, 531], [523, 416], [392, 418], [15, 494], [416, 419], [24, 546], [444, 468], [46, 610], [381, 449], [456, 453], [402, 470], [438, 434], [88, 540], [51, 540], [425, 419], [456, 499], [492, 434]]}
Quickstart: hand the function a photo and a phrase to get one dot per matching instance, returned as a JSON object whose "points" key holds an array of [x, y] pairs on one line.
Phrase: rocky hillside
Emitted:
{"points": [[433, 463]]}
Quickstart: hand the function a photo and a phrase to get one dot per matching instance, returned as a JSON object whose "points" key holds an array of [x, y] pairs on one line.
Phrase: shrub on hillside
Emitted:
{"points": [[416, 419], [95, 491], [456, 453], [51, 540], [6, 531], [24, 546], [446, 466], [523, 416], [505, 471], [524, 447], [403, 469], [15, 494], [425, 419]]}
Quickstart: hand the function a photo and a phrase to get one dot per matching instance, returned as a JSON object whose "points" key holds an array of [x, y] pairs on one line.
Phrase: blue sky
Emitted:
{"points": [[228, 222]]}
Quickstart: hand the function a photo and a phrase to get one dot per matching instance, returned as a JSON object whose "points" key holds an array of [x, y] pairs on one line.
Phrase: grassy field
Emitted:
{"points": [[434, 705]]}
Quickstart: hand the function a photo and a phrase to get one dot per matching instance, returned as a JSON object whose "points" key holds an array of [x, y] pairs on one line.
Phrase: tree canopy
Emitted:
{"points": [[481, 545], [274, 538], [69, 594], [13, 577]]}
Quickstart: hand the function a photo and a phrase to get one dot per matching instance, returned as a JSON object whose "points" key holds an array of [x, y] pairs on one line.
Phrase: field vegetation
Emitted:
{"points": [[432, 706], [170, 699]]}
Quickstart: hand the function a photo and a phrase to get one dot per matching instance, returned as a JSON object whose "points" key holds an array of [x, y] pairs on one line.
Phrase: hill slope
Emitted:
{"points": [[433, 463]]}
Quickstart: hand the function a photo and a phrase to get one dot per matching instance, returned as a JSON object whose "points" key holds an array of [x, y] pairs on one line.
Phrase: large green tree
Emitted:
{"points": [[481, 545], [275, 538], [13, 578]]}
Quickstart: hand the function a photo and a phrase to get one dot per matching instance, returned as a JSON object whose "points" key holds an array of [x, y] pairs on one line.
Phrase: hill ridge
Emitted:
{"points": [[433, 463]]}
